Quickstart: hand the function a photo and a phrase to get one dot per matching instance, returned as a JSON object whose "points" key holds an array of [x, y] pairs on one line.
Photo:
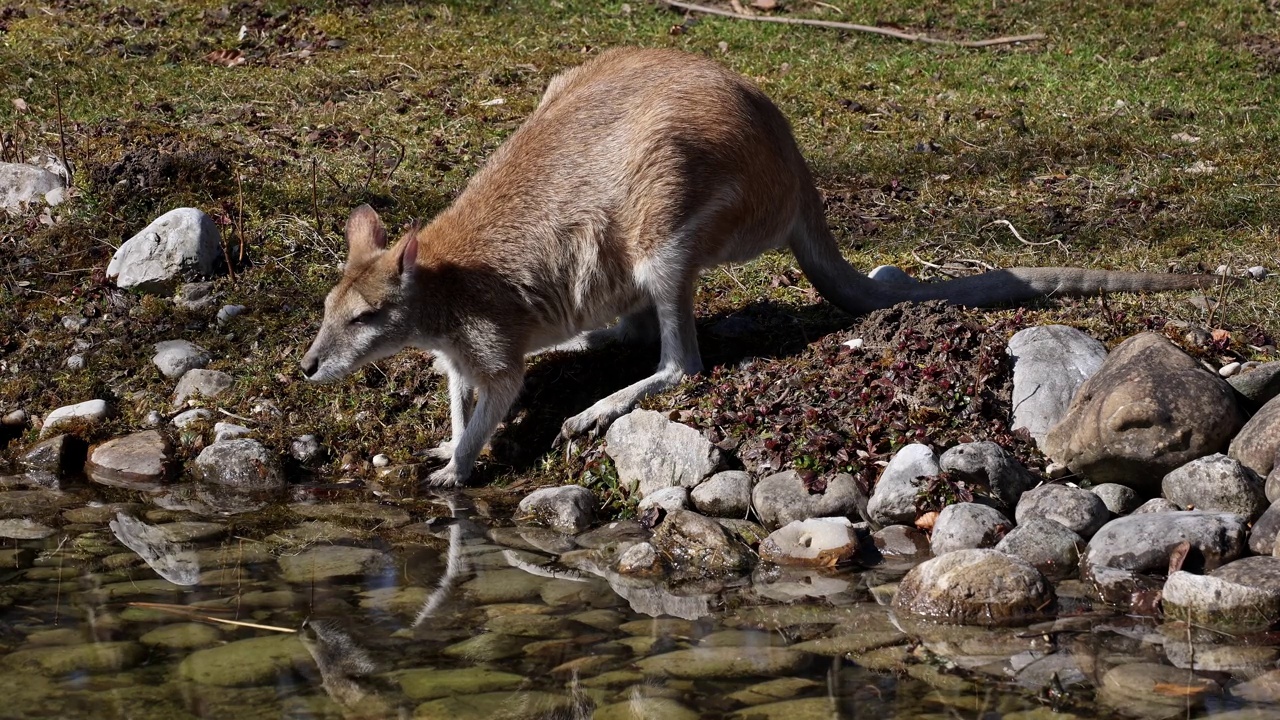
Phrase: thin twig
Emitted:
{"points": [[209, 618], [62, 136], [240, 220], [315, 203], [1021, 239], [887, 32]]}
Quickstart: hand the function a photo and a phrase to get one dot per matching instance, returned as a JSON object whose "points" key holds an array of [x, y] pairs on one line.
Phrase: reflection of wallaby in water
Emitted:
{"points": [[345, 670], [454, 563]]}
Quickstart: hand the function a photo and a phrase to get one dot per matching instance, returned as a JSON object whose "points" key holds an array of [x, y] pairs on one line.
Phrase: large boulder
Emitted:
{"points": [[1149, 409], [785, 497], [178, 244], [1242, 596], [1257, 444], [653, 452], [894, 499], [962, 526], [1051, 548], [975, 587], [697, 545], [1144, 542], [1049, 364], [1076, 509]]}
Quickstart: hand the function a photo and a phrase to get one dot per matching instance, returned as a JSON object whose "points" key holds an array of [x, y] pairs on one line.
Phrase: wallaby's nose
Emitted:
{"points": [[309, 366]]}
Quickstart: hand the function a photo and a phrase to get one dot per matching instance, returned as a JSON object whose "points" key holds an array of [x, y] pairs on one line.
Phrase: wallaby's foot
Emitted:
{"points": [[444, 451], [589, 423], [448, 476]]}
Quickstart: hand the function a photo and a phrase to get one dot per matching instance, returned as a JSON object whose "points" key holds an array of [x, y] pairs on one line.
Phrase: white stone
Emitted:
{"points": [[1229, 369], [175, 357], [228, 431], [380, 460], [180, 242], [91, 411], [22, 185]]}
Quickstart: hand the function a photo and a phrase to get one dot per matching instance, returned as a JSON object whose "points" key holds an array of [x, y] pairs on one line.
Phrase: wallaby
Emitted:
{"points": [[638, 170]]}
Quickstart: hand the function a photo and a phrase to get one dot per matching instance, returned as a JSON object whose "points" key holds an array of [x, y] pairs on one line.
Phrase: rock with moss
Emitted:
{"points": [[569, 509], [519, 705], [327, 562], [724, 662], [175, 357], [694, 544], [975, 587], [251, 662], [241, 464], [82, 415], [1217, 483], [962, 526], [91, 658], [429, 684], [200, 383]]}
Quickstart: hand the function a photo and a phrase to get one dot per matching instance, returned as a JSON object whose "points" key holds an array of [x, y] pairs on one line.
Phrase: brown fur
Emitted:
{"points": [[638, 170]]}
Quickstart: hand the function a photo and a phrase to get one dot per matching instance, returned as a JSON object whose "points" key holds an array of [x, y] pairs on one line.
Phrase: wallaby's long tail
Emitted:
{"points": [[855, 293]]}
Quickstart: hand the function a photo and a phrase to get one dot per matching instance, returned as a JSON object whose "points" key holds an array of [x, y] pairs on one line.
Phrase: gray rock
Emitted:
{"points": [[725, 494], [189, 417], [1143, 543], [724, 662], [15, 418], [306, 449], [1216, 483], [24, 529], [654, 452], [1259, 384], [57, 457], [229, 431], [1257, 444], [23, 185], [1120, 500], [258, 661], [894, 499], [179, 243], [226, 312], [670, 498], [1142, 690], [1272, 486], [1048, 546], [640, 559], [975, 587], [619, 532], [569, 509], [991, 466], [817, 542], [964, 526], [699, 546], [1149, 409], [175, 357], [1239, 597], [1078, 510], [901, 540], [327, 562], [1050, 363], [139, 461], [97, 658], [195, 296], [783, 497], [87, 413], [1156, 505], [203, 383], [75, 362], [242, 464], [1262, 537]]}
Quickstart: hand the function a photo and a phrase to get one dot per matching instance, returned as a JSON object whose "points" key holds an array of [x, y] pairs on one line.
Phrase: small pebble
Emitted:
{"points": [[74, 322], [75, 362], [1056, 470], [1229, 369], [854, 344], [1257, 272], [306, 448], [16, 418], [153, 419], [1222, 270], [229, 311], [381, 461]]}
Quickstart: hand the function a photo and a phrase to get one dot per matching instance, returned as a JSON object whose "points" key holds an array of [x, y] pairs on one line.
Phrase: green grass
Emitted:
{"points": [[919, 150]]}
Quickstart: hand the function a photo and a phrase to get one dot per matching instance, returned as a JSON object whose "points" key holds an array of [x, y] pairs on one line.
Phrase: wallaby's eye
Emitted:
{"points": [[364, 317]]}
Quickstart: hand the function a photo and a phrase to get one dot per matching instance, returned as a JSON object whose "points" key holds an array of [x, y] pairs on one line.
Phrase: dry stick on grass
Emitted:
{"points": [[62, 135], [315, 202], [887, 32], [240, 211]]}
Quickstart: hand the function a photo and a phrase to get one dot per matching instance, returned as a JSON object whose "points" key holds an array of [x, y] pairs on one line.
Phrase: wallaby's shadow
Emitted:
{"points": [[560, 385]]}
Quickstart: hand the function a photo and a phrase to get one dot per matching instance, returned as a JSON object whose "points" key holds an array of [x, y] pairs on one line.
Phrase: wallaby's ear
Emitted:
{"points": [[366, 234], [408, 254]]}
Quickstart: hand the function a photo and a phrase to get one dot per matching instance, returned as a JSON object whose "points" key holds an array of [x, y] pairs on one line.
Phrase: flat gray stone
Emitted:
{"points": [[23, 186], [1076, 509], [178, 244], [725, 494], [242, 464], [783, 497], [1051, 548], [1050, 363], [1143, 542], [175, 357], [697, 545], [139, 461], [87, 413], [569, 509], [200, 383]]}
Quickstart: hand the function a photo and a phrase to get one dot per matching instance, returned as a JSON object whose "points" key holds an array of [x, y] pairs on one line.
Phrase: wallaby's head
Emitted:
{"points": [[369, 314]]}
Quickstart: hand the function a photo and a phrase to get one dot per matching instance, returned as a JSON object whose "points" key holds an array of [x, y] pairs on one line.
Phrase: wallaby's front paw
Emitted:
{"points": [[443, 452], [584, 425], [447, 476]]}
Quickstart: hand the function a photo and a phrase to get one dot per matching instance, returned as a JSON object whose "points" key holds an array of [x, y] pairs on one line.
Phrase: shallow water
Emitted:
{"points": [[90, 630]]}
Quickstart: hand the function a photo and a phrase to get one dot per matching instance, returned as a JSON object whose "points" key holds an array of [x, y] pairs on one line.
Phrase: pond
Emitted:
{"points": [[367, 610]]}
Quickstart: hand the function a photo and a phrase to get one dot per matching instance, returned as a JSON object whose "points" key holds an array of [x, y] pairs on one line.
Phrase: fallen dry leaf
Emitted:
{"points": [[20, 105], [1221, 336], [1176, 690], [926, 521], [227, 58]]}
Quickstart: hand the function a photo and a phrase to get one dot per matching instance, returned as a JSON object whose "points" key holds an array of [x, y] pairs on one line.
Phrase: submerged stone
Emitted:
{"points": [[724, 662], [255, 661]]}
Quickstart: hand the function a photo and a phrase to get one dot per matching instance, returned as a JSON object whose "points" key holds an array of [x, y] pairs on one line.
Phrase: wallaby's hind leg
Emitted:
{"points": [[680, 358], [636, 328]]}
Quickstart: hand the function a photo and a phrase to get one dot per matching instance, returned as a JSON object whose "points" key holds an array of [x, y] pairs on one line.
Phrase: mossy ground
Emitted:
{"points": [[1087, 142]]}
